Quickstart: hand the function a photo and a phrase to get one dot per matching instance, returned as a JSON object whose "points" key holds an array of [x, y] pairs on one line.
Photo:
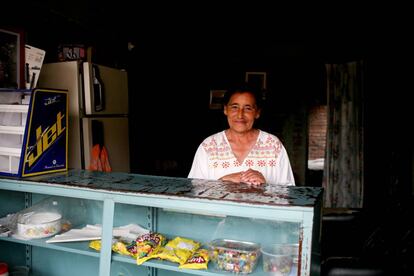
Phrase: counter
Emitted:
{"points": [[198, 209]]}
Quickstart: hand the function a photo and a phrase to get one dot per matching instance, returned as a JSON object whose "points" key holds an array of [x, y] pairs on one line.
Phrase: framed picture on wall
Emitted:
{"points": [[258, 79], [216, 99], [11, 59]]}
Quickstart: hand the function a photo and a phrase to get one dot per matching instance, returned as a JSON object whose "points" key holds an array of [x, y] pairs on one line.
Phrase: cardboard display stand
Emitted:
{"points": [[33, 131]]}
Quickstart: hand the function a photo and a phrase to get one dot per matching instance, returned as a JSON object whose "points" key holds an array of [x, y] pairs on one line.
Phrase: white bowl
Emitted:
{"points": [[39, 225]]}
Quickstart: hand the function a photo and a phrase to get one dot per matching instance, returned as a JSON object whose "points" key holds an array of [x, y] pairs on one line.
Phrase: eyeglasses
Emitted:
{"points": [[235, 108]]}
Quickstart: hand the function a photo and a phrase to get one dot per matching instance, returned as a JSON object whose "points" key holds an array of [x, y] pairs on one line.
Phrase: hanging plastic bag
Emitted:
{"points": [[99, 159], [106, 167]]}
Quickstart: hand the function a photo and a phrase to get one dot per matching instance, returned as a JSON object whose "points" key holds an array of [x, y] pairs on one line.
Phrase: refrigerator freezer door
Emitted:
{"points": [[106, 90], [113, 134], [65, 75]]}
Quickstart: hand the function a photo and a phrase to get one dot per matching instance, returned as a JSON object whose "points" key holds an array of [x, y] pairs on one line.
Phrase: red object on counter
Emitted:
{"points": [[99, 160], [4, 269]]}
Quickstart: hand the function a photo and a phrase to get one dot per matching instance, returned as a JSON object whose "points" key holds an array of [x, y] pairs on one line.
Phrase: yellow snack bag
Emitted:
{"points": [[117, 246], [95, 245], [198, 260], [178, 250], [121, 248], [145, 246]]}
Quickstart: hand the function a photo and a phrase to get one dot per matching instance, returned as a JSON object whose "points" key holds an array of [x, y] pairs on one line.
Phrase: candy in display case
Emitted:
{"points": [[234, 256]]}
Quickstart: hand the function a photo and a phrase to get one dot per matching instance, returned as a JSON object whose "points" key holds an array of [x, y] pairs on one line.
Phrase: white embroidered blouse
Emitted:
{"points": [[214, 158]]}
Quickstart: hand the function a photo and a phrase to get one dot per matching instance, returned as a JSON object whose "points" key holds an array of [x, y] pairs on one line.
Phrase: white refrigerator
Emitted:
{"points": [[98, 110]]}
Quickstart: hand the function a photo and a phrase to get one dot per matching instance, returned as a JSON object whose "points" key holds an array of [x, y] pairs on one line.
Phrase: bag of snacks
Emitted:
{"points": [[145, 246], [95, 245], [178, 250], [117, 246], [120, 247], [198, 260]]}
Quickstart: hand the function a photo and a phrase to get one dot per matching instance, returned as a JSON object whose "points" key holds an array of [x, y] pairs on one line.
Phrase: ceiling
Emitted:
{"points": [[247, 30]]}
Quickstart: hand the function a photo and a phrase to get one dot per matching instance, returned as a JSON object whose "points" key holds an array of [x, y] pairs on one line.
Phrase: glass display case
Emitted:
{"points": [[201, 210]]}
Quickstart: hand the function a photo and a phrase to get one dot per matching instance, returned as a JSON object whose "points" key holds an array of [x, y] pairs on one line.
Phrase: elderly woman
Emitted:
{"points": [[242, 153]]}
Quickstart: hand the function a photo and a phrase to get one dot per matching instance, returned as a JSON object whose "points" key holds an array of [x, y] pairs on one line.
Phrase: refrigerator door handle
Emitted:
{"points": [[98, 90]]}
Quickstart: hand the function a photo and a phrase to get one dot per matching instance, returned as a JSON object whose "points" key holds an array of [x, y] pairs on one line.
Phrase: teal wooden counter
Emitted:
{"points": [[198, 209]]}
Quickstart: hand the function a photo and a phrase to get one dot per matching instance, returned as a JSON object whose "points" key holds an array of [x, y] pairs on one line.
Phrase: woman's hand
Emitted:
{"points": [[250, 176], [233, 177]]}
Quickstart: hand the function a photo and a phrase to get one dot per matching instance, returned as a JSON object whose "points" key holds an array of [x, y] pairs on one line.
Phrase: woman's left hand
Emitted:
{"points": [[252, 177]]}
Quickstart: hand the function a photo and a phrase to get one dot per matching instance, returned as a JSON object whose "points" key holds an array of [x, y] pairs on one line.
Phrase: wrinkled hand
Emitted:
{"points": [[250, 176]]}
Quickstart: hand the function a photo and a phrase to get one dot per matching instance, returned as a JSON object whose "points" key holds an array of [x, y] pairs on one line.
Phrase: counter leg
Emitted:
{"points": [[107, 225]]}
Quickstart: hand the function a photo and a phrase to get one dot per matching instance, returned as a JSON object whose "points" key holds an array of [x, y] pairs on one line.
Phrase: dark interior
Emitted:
{"points": [[179, 56]]}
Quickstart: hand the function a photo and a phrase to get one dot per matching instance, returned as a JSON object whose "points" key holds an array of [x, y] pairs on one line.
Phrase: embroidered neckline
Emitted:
{"points": [[253, 146]]}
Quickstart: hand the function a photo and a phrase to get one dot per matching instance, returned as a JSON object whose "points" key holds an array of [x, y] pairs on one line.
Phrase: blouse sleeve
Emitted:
{"points": [[285, 174], [199, 169]]}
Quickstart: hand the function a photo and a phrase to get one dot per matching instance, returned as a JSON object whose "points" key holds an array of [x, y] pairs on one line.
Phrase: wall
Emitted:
{"points": [[170, 79], [180, 98], [317, 132], [388, 140]]}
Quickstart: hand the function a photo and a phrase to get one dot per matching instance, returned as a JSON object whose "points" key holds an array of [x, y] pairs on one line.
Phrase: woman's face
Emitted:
{"points": [[241, 111]]}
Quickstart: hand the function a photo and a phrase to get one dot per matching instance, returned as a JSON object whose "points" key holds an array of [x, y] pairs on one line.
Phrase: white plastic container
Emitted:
{"points": [[238, 257], [278, 259], [37, 225]]}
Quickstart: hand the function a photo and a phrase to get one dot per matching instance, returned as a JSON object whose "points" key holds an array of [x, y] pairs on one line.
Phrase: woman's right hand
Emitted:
{"points": [[250, 176], [233, 177]]}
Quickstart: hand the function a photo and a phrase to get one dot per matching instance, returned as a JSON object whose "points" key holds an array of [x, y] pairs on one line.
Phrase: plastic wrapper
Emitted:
{"points": [[146, 246], [178, 250], [118, 246], [96, 244], [199, 260]]}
